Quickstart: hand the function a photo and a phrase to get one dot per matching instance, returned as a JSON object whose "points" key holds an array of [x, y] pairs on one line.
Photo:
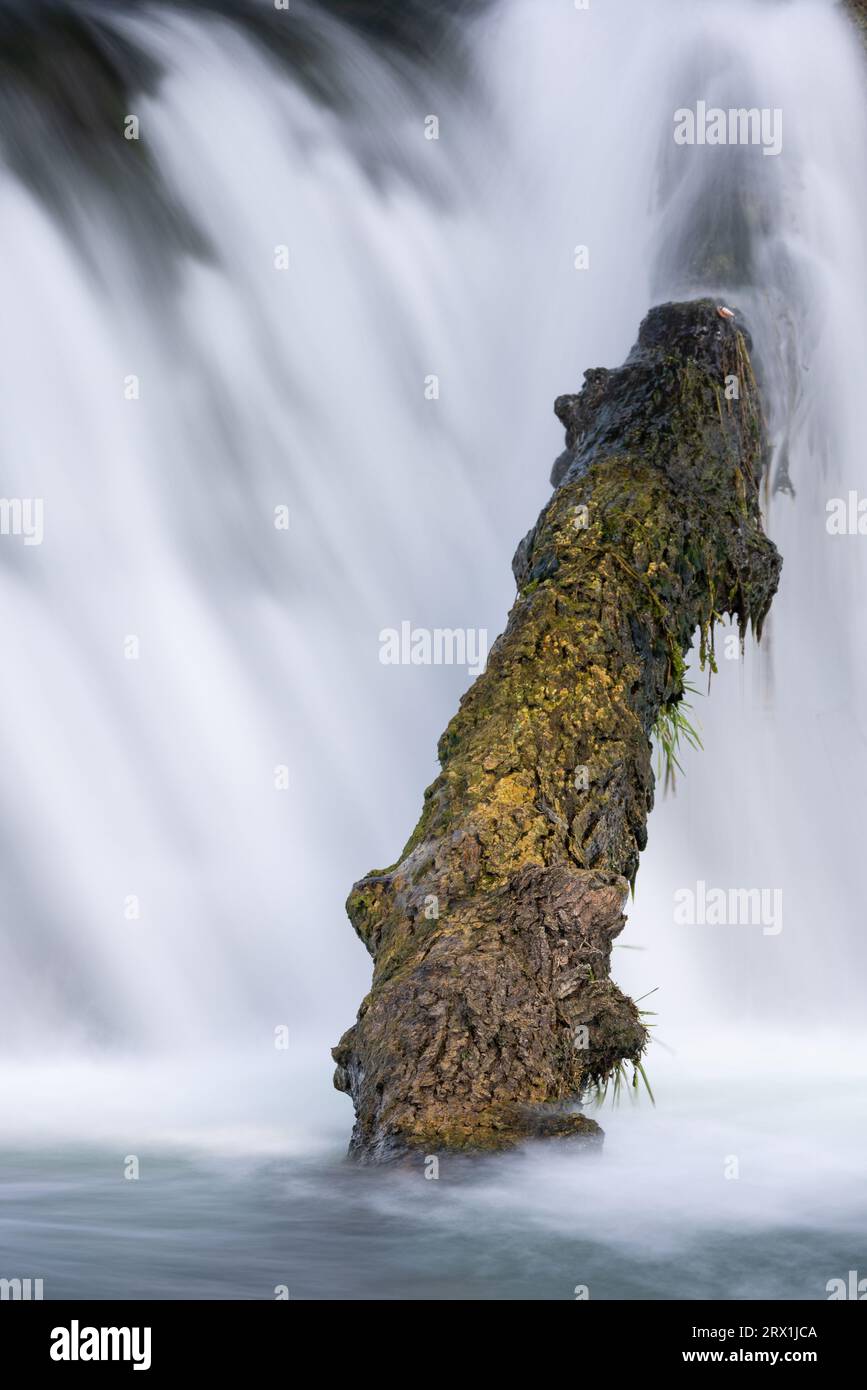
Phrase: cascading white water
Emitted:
{"points": [[305, 387]]}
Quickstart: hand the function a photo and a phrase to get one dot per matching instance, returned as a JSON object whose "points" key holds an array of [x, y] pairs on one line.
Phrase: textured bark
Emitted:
{"points": [[491, 936]]}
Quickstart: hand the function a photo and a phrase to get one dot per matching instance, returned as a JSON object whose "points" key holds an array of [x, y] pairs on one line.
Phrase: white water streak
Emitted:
{"points": [[260, 387]]}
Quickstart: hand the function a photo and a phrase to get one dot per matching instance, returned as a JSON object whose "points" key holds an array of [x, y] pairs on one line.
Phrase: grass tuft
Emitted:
{"points": [[673, 729]]}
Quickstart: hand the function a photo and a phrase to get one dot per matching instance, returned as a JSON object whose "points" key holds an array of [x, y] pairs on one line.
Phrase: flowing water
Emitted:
{"points": [[171, 658]]}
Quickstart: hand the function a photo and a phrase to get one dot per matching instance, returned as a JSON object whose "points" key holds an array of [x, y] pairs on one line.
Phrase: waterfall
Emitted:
{"points": [[244, 311]]}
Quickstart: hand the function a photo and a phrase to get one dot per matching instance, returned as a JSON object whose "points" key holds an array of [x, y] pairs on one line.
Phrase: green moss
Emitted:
{"points": [[546, 768]]}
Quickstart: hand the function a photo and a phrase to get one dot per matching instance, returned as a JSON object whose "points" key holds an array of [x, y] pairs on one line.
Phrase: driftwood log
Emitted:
{"points": [[492, 1011]]}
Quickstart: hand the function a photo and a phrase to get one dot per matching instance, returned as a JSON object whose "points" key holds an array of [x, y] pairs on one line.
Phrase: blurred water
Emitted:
{"points": [[258, 648], [654, 1216]]}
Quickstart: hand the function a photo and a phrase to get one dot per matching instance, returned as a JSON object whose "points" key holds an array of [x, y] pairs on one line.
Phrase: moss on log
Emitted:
{"points": [[491, 1010]]}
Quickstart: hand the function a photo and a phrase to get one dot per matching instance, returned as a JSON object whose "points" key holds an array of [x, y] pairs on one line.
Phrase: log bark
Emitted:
{"points": [[492, 1010]]}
